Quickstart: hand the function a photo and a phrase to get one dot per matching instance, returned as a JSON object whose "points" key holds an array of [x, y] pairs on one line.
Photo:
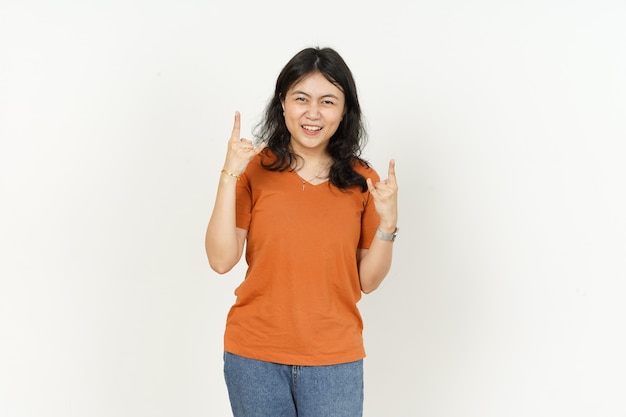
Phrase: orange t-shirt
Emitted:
{"points": [[298, 302]]}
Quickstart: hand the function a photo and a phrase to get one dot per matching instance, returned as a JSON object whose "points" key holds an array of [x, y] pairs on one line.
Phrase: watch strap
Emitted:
{"points": [[389, 237]]}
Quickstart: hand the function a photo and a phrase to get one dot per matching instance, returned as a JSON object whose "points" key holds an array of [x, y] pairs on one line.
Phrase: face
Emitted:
{"points": [[313, 110]]}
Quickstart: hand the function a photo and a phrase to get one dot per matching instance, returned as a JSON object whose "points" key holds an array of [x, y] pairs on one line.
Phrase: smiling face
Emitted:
{"points": [[313, 109]]}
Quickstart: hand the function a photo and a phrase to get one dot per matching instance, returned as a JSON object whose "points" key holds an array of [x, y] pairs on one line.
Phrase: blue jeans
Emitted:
{"points": [[265, 389]]}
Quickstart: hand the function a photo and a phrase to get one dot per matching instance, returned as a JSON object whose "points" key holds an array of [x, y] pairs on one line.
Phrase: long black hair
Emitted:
{"points": [[345, 145]]}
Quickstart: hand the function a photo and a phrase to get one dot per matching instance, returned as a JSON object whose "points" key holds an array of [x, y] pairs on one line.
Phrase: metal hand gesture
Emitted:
{"points": [[240, 150], [385, 195]]}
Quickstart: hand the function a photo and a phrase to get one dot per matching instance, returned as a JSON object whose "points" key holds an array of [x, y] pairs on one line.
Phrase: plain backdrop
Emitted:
{"points": [[507, 122]]}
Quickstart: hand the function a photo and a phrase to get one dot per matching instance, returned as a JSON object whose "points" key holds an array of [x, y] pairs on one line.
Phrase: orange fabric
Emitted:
{"points": [[298, 302]]}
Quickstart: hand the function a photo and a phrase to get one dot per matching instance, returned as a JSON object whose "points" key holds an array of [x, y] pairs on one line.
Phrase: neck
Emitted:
{"points": [[308, 164], [313, 169], [310, 156]]}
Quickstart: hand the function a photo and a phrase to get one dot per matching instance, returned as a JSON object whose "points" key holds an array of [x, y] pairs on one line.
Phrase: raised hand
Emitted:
{"points": [[240, 150], [385, 195]]}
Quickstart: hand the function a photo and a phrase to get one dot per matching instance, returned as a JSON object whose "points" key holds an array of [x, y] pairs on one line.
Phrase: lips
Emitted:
{"points": [[311, 128]]}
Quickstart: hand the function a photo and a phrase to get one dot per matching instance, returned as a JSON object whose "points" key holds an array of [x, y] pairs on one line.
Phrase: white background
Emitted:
{"points": [[507, 121]]}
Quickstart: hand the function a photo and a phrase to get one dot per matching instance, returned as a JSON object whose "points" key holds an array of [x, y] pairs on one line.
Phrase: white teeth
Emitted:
{"points": [[312, 128]]}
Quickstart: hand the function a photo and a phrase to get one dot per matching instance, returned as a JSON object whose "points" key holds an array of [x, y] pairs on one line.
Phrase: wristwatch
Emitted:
{"points": [[386, 236]]}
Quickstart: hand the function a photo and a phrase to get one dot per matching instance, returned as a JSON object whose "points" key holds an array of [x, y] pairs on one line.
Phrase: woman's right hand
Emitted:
{"points": [[240, 150]]}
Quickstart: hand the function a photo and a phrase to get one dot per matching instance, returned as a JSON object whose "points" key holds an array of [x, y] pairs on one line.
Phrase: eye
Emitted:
{"points": [[328, 102], [300, 98]]}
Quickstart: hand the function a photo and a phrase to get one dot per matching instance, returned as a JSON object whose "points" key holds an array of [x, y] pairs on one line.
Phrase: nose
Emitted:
{"points": [[313, 111]]}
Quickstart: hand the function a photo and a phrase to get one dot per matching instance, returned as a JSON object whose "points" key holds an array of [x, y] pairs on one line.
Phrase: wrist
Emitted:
{"points": [[389, 237], [387, 228], [226, 172]]}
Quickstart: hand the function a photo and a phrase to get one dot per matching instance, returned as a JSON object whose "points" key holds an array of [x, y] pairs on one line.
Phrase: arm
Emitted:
{"points": [[375, 262], [224, 241]]}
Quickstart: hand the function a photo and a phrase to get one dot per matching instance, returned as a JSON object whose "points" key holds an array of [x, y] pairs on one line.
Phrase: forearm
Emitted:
{"points": [[223, 246], [375, 264]]}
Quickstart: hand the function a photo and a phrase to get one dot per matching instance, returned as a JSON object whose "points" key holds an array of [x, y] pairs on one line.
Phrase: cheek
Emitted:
{"points": [[291, 112], [337, 117], [292, 121], [291, 117]]}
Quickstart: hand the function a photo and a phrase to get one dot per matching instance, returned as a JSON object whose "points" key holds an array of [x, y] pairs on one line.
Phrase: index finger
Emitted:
{"points": [[236, 126], [391, 176]]}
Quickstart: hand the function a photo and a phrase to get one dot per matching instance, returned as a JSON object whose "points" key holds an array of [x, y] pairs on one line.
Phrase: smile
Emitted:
{"points": [[312, 128]]}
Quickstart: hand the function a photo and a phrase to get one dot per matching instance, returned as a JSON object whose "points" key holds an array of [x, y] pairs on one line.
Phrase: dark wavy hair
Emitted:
{"points": [[345, 145]]}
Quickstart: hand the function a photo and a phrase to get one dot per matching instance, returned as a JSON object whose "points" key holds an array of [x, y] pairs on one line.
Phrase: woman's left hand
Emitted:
{"points": [[385, 195]]}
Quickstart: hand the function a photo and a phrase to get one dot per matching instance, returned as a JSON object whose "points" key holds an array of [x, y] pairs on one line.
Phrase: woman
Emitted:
{"points": [[318, 227]]}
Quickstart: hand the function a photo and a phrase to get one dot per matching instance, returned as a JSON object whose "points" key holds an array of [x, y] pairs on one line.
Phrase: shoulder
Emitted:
{"points": [[263, 158], [365, 170], [256, 174]]}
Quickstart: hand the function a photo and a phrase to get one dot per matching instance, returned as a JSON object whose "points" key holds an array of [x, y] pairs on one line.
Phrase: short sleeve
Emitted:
{"points": [[369, 219]]}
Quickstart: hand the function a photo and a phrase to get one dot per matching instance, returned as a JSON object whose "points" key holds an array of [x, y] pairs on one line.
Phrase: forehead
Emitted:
{"points": [[315, 84]]}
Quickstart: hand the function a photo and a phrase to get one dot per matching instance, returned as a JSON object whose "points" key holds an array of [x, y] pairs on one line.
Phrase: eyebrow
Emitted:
{"points": [[308, 95]]}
